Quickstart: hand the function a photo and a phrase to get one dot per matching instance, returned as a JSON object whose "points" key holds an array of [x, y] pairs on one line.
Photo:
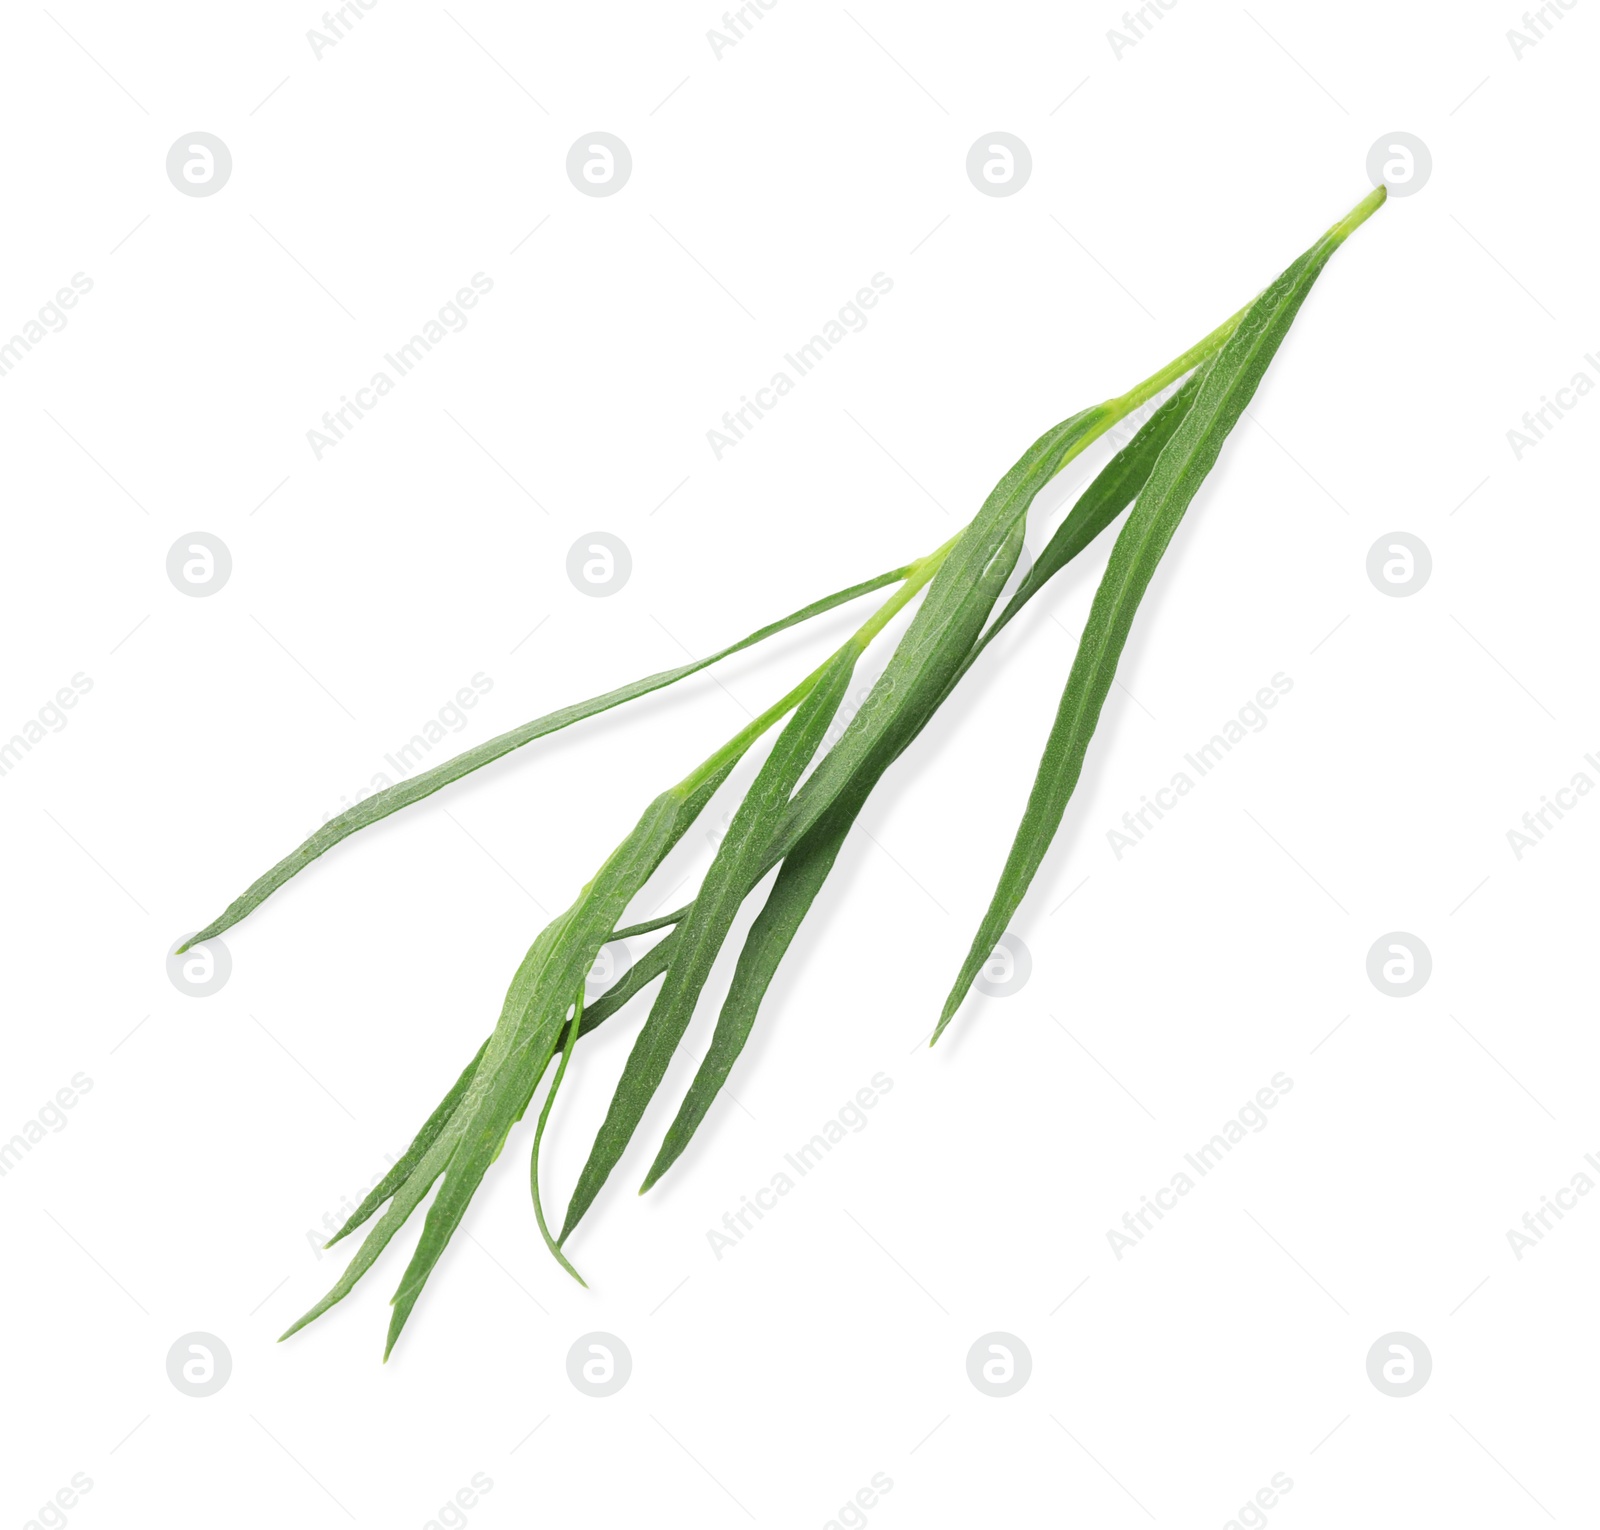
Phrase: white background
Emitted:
{"points": [[1169, 183]]}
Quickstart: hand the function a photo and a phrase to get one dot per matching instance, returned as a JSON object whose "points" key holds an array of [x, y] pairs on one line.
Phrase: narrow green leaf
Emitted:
{"points": [[1114, 488], [406, 1164], [1182, 466], [645, 926], [392, 798], [432, 1156], [643, 972], [807, 865], [800, 879], [699, 936], [945, 626], [538, 1140], [513, 1059], [406, 1200], [530, 1022]]}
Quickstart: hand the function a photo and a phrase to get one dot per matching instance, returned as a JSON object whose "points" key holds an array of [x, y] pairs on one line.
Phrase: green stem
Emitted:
{"points": [[1202, 350], [1359, 214], [917, 574]]}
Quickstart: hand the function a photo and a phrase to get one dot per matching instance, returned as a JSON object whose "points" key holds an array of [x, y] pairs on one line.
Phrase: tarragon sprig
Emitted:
{"points": [[805, 798]]}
